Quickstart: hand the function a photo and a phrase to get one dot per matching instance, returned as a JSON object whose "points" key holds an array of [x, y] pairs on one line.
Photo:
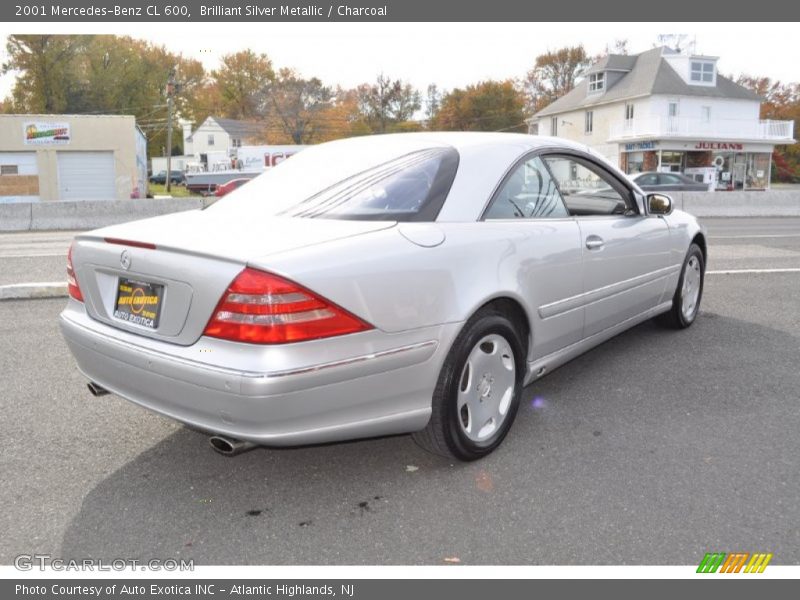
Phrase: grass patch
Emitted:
{"points": [[177, 191]]}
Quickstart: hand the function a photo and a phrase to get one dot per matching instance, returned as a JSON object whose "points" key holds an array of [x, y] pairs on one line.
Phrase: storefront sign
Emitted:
{"points": [[40, 133], [718, 146], [636, 146]]}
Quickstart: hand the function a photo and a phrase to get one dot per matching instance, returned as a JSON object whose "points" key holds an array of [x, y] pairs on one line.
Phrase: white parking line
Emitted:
{"points": [[745, 271], [33, 255], [747, 236]]}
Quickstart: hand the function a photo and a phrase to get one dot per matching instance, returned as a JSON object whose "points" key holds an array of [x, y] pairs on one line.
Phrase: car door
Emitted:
{"points": [[670, 183], [626, 254], [648, 181], [528, 208]]}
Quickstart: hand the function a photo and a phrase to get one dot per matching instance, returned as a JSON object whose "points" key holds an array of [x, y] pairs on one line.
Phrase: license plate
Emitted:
{"points": [[138, 302]]}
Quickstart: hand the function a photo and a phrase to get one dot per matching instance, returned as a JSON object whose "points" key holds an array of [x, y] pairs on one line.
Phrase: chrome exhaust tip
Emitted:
{"points": [[97, 390], [229, 446]]}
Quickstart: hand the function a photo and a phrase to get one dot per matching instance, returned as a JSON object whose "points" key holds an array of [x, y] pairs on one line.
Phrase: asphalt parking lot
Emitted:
{"points": [[654, 448]]}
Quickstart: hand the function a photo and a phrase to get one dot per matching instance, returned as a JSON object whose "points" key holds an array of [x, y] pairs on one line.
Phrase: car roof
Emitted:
{"points": [[460, 140]]}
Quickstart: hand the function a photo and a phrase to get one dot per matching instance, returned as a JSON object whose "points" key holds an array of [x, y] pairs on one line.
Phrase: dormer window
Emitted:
{"points": [[702, 72], [597, 83]]}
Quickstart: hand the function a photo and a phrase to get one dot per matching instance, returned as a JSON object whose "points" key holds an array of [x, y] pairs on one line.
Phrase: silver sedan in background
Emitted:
{"points": [[409, 283]]}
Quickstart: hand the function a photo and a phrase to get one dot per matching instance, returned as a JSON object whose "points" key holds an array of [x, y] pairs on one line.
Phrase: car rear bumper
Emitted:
{"points": [[385, 388]]}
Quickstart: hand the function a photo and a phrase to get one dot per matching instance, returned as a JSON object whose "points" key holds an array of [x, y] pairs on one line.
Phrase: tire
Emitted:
{"points": [[478, 391], [689, 293]]}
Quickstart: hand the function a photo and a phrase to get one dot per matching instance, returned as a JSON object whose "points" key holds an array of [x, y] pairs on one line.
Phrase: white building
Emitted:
{"points": [[216, 134], [71, 157], [662, 110]]}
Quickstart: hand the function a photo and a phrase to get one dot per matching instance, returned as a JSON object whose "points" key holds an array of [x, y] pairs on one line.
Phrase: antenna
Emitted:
{"points": [[675, 41]]}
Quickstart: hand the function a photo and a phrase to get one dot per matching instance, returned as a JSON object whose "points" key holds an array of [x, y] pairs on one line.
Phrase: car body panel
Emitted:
{"points": [[664, 182], [415, 283]]}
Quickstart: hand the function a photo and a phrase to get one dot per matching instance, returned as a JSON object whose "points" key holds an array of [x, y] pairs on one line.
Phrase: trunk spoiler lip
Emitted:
{"points": [[100, 236]]}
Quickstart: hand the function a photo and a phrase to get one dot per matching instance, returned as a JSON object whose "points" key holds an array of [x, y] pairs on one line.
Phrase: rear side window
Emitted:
{"points": [[412, 187]]}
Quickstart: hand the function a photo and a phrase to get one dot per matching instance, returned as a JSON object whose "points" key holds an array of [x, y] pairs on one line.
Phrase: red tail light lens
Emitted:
{"points": [[262, 308], [72, 283]]}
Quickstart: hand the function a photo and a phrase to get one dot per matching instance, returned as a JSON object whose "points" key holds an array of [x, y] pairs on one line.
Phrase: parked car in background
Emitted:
{"points": [[651, 181], [233, 184], [161, 177], [407, 283]]}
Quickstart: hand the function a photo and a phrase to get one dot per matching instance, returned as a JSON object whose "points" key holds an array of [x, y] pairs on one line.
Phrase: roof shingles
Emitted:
{"points": [[650, 74]]}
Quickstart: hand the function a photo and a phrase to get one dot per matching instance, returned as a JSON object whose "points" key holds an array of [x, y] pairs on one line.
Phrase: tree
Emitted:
{"points": [[342, 117], [782, 103], [486, 106], [433, 100], [297, 105], [101, 74], [241, 81], [554, 74], [50, 79], [387, 103]]}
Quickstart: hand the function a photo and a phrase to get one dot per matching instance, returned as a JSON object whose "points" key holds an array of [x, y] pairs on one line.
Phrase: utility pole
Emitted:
{"points": [[170, 92]]}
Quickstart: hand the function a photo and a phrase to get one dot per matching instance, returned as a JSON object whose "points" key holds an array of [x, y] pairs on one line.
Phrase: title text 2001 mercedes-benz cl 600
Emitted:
{"points": [[379, 285]]}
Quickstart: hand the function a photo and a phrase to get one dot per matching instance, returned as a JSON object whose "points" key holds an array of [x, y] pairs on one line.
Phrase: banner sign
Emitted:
{"points": [[39, 133]]}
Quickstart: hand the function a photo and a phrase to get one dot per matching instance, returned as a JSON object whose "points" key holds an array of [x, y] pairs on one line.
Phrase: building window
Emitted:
{"points": [[629, 112], [554, 126], [210, 139], [671, 162], [589, 122], [597, 83], [236, 143], [702, 71], [9, 170], [673, 109], [705, 114]]}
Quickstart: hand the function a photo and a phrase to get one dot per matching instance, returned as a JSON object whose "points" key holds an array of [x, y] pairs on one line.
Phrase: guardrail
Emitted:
{"points": [[89, 214], [43, 216]]}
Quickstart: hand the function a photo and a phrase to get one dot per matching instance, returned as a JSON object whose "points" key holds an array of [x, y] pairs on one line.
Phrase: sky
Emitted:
{"points": [[448, 54]]}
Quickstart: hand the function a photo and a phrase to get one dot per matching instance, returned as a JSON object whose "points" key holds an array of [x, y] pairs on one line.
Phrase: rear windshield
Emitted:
{"points": [[409, 187]]}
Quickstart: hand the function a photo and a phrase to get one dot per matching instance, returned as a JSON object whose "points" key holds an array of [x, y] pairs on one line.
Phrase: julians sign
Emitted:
{"points": [[718, 146]]}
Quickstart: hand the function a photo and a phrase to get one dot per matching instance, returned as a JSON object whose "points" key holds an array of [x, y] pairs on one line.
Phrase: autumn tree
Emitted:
{"points": [[50, 76], [781, 102], [241, 80], [386, 104], [297, 106], [553, 75], [485, 106], [101, 74], [433, 100]]}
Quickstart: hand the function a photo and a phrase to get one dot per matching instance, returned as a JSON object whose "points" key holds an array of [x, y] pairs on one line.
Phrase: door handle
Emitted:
{"points": [[594, 242]]}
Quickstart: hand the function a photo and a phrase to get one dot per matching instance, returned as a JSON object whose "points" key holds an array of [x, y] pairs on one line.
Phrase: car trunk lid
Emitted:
{"points": [[187, 260]]}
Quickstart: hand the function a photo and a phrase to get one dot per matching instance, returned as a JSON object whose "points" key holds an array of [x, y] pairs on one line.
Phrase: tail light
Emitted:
{"points": [[72, 283], [262, 308]]}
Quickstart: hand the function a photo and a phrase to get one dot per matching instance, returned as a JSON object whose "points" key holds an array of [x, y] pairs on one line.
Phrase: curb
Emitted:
{"points": [[29, 291]]}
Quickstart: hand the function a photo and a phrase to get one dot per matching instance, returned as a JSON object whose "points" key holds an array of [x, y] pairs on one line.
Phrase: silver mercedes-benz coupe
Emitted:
{"points": [[379, 285]]}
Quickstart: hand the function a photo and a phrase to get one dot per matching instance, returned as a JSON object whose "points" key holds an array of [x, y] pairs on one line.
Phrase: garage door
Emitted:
{"points": [[86, 176]]}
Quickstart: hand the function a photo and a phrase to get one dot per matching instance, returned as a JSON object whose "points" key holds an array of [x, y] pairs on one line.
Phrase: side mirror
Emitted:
{"points": [[659, 204]]}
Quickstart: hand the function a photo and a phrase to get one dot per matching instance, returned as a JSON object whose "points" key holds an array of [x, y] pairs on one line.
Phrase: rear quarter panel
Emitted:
{"points": [[397, 285]]}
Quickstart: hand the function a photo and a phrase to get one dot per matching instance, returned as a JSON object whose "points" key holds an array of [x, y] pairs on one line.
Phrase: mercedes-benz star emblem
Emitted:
{"points": [[125, 259]]}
